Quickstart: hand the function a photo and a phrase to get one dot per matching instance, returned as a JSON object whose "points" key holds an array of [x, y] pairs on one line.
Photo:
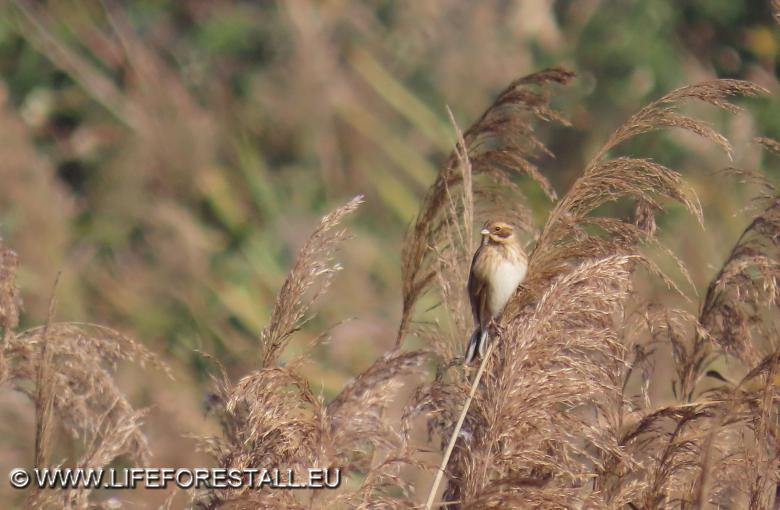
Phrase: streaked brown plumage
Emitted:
{"points": [[498, 267]]}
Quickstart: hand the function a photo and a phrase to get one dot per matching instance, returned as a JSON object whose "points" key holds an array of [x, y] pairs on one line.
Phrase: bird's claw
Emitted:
{"points": [[495, 327]]}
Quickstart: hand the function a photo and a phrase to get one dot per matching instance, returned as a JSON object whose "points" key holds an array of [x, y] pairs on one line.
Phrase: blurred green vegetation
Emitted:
{"points": [[170, 157]]}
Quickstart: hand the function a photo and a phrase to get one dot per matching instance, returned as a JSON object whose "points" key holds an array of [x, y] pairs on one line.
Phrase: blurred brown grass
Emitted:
{"points": [[170, 160]]}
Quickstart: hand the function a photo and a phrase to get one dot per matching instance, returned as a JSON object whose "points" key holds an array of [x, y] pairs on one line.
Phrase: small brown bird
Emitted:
{"points": [[498, 267]]}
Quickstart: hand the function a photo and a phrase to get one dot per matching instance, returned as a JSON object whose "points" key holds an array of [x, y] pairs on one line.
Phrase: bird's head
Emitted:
{"points": [[497, 232]]}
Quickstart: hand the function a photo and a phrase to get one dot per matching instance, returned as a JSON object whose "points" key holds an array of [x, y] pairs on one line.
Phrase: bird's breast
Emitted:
{"points": [[503, 281]]}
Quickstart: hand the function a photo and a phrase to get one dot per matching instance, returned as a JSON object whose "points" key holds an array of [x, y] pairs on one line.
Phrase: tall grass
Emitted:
{"points": [[558, 421], [563, 415], [272, 418], [67, 371]]}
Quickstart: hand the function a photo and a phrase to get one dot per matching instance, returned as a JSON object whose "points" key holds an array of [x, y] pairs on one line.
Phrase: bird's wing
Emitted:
{"points": [[478, 291]]}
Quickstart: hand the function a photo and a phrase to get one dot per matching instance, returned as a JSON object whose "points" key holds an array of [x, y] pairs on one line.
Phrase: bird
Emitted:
{"points": [[498, 267]]}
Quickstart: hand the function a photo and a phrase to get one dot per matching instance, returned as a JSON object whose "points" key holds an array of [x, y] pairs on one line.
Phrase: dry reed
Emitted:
{"points": [[562, 416], [66, 369], [271, 417], [553, 424]]}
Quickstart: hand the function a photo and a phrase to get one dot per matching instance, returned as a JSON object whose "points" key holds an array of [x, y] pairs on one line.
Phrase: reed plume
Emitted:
{"points": [[500, 145], [272, 418], [569, 346], [71, 366]]}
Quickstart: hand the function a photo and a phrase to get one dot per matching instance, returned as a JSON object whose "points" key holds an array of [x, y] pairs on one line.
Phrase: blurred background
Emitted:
{"points": [[170, 157]]}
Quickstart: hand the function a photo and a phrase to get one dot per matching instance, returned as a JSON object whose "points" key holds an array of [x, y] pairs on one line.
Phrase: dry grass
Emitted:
{"points": [[66, 369], [562, 417], [556, 422], [499, 145], [272, 418]]}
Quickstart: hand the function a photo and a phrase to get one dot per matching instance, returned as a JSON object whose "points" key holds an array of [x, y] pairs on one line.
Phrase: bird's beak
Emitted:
{"points": [[484, 232]]}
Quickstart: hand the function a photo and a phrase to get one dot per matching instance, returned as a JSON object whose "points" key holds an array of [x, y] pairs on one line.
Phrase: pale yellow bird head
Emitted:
{"points": [[497, 232]]}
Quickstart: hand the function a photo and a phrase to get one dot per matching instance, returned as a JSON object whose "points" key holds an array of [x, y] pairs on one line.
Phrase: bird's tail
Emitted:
{"points": [[477, 344]]}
